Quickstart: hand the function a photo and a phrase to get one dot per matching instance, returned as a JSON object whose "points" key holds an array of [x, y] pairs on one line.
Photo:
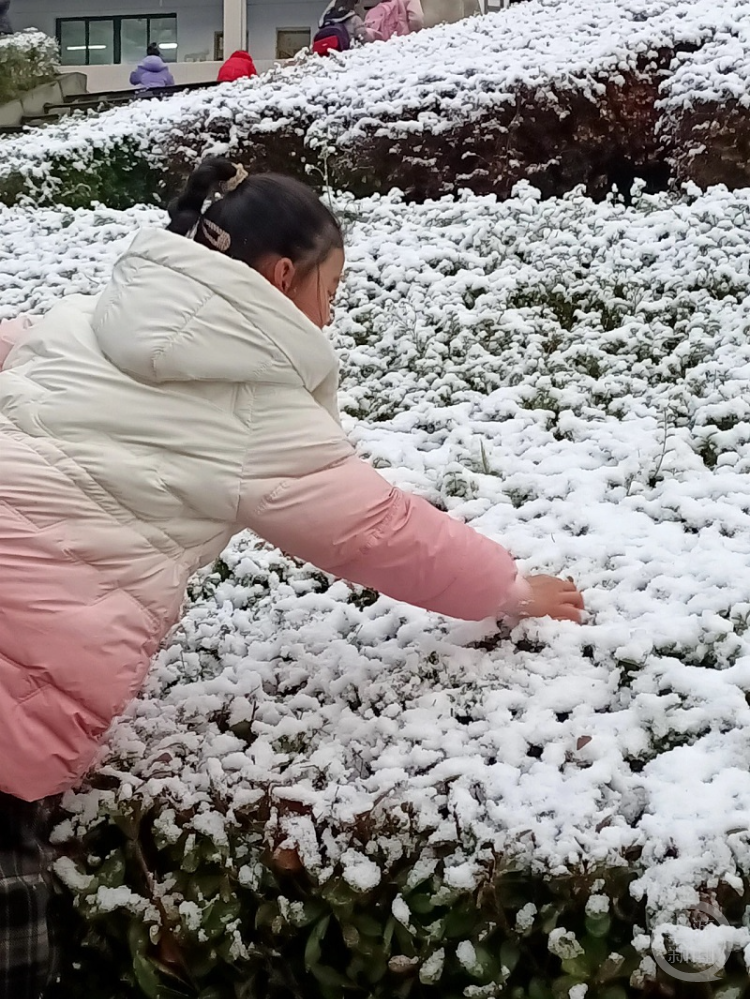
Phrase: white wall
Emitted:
{"points": [[263, 19], [448, 11], [197, 20], [101, 78]]}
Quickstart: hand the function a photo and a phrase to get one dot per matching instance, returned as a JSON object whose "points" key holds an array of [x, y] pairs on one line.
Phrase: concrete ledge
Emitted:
{"points": [[73, 84], [11, 114], [33, 103]]}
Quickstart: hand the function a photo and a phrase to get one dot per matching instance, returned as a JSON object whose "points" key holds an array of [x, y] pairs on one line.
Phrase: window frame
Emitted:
{"points": [[301, 30], [116, 20]]}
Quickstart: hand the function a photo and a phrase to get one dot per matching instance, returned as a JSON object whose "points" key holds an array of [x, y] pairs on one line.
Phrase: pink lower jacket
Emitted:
{"points": [[139, 430]]}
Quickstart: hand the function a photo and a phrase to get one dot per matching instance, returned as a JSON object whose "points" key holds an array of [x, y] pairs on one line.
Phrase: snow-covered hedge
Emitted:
{"points": [[705, 108], [27, 59], [558, 92], [325, 793]]}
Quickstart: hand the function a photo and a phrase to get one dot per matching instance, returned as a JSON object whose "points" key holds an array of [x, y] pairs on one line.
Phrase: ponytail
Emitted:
{"points": [[204, 181], [259, 215]]}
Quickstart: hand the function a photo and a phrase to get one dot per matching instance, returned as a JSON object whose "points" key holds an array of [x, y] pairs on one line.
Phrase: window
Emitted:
{"points": [[99, 41], [133, 39], [289, 41]]}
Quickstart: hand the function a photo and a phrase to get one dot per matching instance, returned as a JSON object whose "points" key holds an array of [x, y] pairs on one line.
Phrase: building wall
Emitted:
{"points": [[105, 78], [448, 11], [197, 23], [197, 20], [264, 19]]}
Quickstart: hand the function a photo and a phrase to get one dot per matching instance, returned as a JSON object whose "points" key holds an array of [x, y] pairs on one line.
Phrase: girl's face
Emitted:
{"points": [[313, 293]]}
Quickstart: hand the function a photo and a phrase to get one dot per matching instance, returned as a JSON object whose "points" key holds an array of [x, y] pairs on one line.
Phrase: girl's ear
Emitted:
{"points": [[282, 276]]}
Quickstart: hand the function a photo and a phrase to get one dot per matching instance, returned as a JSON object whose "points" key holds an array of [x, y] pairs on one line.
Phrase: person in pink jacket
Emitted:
{"points": [[392, 18], [141, 428]]}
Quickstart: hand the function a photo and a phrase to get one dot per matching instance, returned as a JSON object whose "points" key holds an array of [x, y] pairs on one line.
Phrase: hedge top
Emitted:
{"points": [[720, 70], [29, 43], [573, 379], [27, 58], [423, 84]]}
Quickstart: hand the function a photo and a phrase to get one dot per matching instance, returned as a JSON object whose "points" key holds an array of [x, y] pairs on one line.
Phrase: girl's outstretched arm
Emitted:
{"points": [[349, 521]]}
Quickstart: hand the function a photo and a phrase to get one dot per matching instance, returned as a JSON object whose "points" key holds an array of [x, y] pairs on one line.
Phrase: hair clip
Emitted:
{"points": [[215, 235], [240, 175]]}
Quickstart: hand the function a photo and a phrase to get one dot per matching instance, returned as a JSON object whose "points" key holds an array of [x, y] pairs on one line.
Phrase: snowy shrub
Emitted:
{"points": [[705, 109], [558, 92], [27, 59], [324, 793]]}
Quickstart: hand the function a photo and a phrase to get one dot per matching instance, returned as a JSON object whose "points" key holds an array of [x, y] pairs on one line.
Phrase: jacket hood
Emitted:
{"points": [[242, 55], [175, 311], [153, 64]]}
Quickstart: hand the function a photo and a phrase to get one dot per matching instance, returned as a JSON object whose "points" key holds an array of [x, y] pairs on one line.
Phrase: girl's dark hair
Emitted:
{"points": [[153, 49], [265, 214]]}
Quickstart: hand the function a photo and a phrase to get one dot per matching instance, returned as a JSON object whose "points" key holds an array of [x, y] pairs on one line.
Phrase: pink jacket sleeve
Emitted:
{"points": [[11, 331], [349, 521]]}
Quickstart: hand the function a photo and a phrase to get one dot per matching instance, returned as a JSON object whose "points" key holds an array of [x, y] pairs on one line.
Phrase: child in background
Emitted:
{"points": [[345, 15], [152, 73], [394, 18], [237, 67]]}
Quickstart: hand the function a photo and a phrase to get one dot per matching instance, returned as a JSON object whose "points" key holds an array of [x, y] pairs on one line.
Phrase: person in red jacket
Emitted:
{"points": [[237, 67]]}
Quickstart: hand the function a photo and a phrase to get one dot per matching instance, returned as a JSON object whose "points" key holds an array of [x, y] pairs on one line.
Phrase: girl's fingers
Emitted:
{"points": [[569, 613], [570, 607], [571, 599]]}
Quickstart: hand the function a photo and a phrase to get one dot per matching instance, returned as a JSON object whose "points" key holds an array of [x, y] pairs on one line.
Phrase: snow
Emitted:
{"points": [[563, 944], [70, 875], [597, 905], [420, 85], [719, 70], [361, 873], [111, 899], [402, 912], [525, 917], [431, 970], [32, 43], [191, 914], [467, 955], [571, 378]]}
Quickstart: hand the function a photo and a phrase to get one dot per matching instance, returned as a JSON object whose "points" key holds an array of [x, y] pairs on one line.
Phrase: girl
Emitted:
{"points": [[139, 430]]}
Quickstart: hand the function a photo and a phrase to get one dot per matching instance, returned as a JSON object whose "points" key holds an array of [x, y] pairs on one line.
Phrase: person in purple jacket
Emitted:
{"points": [[152, 73]]}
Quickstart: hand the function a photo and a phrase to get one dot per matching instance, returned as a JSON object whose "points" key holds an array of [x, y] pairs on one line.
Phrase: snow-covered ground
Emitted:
{"points": [[424, 84], [573, 379]]}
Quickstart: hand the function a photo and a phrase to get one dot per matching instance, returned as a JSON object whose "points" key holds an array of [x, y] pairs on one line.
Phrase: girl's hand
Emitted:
{"points": [[552, 597]]}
